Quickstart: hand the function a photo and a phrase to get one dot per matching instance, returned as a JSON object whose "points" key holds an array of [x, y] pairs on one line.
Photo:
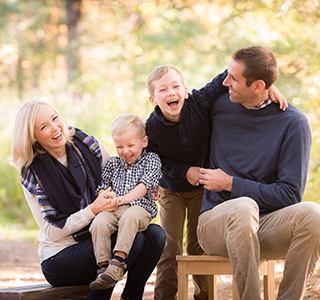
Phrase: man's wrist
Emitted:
{"points": [[229, 181]]}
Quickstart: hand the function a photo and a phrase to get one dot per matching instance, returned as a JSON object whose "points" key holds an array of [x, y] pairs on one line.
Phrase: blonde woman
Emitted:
{"points": [[60, 171]]}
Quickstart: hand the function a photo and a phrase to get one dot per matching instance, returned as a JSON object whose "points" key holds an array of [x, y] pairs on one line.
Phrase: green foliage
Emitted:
{"points": [[20, 232], [119, 42]]}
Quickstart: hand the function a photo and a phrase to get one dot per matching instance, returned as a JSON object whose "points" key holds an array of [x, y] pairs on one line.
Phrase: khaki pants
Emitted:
{"points": [[173, 210], [127, 220], [234, 229]]}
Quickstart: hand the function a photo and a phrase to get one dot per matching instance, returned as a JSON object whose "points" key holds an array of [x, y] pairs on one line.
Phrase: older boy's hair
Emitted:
{"points": [[157, 74], [260, 64], [128, 121]]}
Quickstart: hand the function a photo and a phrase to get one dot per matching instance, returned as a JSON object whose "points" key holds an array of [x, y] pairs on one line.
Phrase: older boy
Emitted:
{"points": [[179, 134], [129, 181]]}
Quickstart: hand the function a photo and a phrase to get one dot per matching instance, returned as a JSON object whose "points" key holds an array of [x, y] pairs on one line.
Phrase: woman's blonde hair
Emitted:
{"points": [[24, 148], [127, 121]]}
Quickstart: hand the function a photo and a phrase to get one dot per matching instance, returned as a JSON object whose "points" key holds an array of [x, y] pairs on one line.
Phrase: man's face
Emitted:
{"points": [[238, 91]]}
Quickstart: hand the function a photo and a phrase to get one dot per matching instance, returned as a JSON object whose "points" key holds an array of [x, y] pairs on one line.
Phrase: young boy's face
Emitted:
{"points": [[169, 95], [129, 145]]}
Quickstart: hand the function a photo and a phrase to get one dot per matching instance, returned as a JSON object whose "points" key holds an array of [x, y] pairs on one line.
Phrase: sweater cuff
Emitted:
{"points": [[88, 214]]}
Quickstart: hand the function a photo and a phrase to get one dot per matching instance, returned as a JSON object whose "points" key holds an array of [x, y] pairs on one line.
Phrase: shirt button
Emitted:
{"points": [[184, 140]]}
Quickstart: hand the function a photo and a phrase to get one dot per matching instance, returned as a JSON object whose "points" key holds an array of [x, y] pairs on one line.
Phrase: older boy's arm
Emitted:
{"points": [[206, 96]]}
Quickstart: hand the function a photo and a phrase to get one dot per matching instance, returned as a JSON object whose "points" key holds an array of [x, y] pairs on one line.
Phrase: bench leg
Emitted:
{"points": [[213, 288], [183, 286], [268, 282]]}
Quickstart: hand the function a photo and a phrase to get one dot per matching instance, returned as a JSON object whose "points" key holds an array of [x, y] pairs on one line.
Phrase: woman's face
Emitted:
{"points": [[49, 131]]}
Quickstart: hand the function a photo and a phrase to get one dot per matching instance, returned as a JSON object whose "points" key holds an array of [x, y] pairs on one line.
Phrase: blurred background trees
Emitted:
{"points": [[91, 59]]}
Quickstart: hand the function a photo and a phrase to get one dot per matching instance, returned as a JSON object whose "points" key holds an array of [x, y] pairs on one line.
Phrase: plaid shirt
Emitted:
{"points": [[123, 178], [261, 105]]}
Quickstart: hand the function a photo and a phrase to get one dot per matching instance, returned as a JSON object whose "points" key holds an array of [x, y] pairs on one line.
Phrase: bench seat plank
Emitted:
{"points": [[45, 292]]}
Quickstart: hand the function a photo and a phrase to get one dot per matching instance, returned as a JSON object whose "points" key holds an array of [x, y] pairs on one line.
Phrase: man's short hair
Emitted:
{"points": [[157, 74], [260, 64]]}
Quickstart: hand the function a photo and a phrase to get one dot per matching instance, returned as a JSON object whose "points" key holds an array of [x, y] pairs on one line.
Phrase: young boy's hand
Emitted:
{"points": [[120, 200], [193, 175], [108, 194], [156, 194], [276, 97]]}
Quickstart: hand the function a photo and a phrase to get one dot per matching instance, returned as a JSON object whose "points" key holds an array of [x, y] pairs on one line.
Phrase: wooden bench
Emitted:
{"points": [[45, 292], [218, 265]]}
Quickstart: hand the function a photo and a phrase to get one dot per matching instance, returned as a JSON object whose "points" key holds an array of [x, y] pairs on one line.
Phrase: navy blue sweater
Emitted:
{"points": [[183, 144], [267, 151]]}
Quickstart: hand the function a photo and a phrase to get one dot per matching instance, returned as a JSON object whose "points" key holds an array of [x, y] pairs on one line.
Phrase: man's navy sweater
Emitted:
{"points": [[267, 151], [183, 144]]}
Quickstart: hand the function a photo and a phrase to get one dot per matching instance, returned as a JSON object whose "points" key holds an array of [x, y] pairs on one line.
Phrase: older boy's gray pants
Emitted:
{"points": [[174, 209]]}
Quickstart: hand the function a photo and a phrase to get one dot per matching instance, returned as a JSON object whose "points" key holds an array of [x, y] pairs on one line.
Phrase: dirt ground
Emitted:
{"points": [[19, 266]]}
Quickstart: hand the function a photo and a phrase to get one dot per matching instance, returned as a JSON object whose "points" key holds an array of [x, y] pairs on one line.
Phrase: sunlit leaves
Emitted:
{"points": [[118, 42]]}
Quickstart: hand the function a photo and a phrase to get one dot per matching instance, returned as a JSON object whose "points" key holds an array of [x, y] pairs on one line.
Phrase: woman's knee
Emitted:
{"points": [[156, 235]]}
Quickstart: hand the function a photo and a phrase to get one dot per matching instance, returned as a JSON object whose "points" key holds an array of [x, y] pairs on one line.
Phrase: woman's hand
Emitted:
{"points": [[103, 202]]}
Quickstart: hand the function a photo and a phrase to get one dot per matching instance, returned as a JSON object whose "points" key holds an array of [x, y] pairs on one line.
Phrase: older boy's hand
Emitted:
{"points": [[276, 97], [215, 180], [193, 175]]}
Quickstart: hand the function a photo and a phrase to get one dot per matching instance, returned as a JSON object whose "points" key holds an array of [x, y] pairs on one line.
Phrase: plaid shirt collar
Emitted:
{"points": [[261, 105], [124, 165]]}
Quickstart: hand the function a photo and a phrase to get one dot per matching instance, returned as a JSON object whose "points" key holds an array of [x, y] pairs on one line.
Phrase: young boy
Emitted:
{"points": [[178, 131], [129, 182]]}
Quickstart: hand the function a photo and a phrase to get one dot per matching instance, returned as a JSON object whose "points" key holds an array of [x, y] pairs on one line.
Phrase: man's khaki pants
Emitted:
{"points": [[234, 229]]}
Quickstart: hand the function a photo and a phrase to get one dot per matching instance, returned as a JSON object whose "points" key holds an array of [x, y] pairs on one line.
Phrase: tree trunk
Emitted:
{"points": [[73, 15]]}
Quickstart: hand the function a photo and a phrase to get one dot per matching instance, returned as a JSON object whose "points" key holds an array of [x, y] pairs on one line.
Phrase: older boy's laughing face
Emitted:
{"points": [[169, 95]]}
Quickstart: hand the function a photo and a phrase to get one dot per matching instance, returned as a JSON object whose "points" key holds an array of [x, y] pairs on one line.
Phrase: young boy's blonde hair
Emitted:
{"points": [[157, 74], [128, 121]]}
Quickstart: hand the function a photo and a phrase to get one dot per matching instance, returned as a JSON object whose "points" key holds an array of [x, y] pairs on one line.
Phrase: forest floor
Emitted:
{"points": [[19, 266]]}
